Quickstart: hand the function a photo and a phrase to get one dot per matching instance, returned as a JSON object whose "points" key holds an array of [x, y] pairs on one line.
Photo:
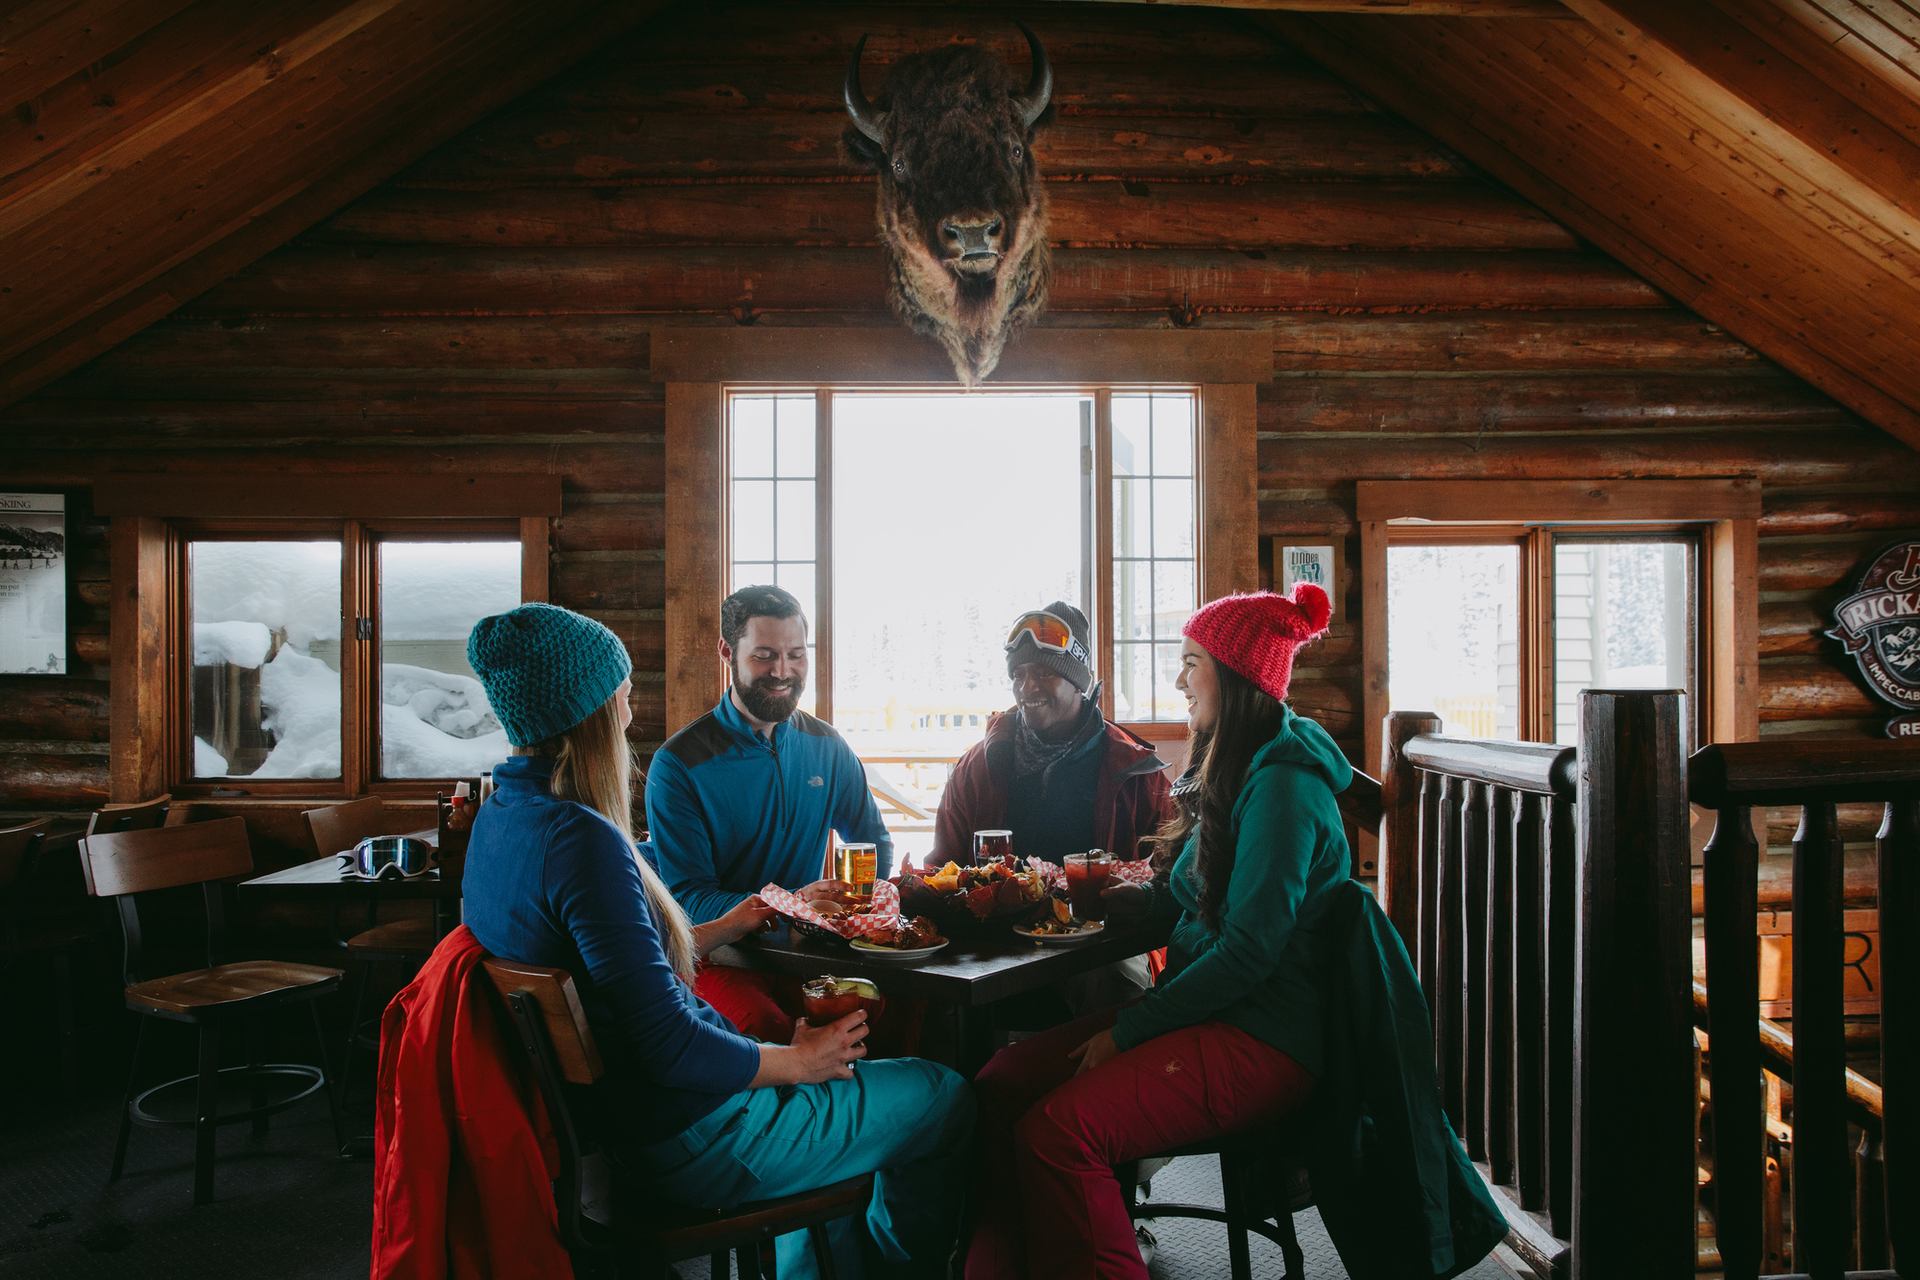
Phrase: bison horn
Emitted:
{"points": [[865, 118], [1039, 88]]}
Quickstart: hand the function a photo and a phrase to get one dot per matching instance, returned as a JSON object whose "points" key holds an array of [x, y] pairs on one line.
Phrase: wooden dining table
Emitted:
{"points": [[960, 983], [326, 878]]}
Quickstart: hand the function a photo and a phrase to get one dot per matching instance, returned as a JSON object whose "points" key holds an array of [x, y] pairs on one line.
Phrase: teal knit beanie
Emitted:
{"points": [[545, 669]]}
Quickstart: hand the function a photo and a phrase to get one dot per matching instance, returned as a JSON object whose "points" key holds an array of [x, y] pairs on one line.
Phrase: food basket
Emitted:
{"points": [[972, 900]]}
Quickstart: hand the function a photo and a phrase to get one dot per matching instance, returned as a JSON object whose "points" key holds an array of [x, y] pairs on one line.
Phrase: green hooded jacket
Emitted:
{"points": [[1261, 969]]}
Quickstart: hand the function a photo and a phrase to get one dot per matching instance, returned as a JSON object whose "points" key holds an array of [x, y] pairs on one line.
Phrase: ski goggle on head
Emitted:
{"points": [[384, 857], [1050, 632]]}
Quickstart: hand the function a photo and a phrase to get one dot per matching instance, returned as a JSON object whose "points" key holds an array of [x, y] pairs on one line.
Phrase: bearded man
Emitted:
{"points": [[745, 795]]}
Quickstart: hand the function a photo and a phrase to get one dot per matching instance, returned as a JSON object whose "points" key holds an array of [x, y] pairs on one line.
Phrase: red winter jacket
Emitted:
{"points": [[1130, 799], [463, 1156]]}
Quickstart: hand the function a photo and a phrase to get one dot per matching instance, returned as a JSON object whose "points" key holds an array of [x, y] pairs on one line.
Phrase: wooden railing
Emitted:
{"points": [[1543, 891], [1732, 780]]}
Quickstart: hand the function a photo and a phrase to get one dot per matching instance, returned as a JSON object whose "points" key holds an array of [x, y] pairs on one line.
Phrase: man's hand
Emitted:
{"points": [[826, 891], [1095, 1051], [1127, 903]]}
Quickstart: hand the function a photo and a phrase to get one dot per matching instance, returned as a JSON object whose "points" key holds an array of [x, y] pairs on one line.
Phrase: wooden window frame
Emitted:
{"points": [[1723, 512], [154, 519], [702, 367]]}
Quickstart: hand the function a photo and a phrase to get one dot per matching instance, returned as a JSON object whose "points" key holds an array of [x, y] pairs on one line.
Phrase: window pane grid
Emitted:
{"points": [[1154, 566], [774, 500]]}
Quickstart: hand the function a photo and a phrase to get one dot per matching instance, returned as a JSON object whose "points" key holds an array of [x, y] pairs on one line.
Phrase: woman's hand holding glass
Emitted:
{"points": [[829, 1052]]}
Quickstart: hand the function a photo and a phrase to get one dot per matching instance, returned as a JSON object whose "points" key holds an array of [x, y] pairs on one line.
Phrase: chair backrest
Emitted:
{"points": [[338, 827], [114, 818], [164, 857], [18, 847], [551, 992], [129, 863], [551, 1028]]}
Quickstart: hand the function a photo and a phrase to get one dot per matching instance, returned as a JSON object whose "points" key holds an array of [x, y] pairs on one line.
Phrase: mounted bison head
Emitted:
{"points": [[962, 214]]}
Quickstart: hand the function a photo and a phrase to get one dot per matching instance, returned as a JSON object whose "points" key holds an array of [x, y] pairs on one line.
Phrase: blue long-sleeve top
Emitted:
{"points": [[729, 812], [552, 882]]}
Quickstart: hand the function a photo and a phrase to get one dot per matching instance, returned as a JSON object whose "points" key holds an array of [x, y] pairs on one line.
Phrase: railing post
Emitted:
{"points": [[1634, 1160], [1400, 824]]}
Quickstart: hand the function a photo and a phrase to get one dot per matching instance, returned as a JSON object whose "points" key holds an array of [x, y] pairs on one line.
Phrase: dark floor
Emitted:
{"points": [[289, 1208]]}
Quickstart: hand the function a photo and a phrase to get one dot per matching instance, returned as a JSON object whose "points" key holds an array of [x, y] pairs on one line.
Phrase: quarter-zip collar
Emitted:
{"points": [[737, 724]]}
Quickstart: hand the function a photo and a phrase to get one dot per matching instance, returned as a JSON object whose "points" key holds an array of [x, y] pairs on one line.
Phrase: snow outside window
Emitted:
{"points": [[265, 688], [1453, 618], [1153, 551], [434, 717]]}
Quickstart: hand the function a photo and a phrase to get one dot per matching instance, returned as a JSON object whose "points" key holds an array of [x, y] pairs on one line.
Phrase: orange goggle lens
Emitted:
{"points": [[1048, 632]]}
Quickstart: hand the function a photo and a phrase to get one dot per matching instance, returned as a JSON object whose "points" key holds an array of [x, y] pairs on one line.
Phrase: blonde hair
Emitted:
{"points": [[593, 765]]}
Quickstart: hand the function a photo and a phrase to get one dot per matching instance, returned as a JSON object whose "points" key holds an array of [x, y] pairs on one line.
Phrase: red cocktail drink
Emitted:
{"points": [[830, 998], [1087, 874]]}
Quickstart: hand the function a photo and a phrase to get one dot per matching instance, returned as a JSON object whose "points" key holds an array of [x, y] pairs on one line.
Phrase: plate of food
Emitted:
{"points": [[1057, 927], [910, 939], [968, 898]]}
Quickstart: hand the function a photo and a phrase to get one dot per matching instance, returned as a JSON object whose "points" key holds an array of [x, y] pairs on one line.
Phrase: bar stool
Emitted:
{"points": [[595, 1227], [1248, 1161], [213, 999], [402, 945]]}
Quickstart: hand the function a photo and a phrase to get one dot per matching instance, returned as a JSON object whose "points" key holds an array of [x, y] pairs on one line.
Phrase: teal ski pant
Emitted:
{"points": [[906, 1120]]}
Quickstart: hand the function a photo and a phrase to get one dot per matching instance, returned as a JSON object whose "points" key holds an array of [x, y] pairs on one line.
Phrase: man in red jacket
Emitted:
{"points": [[1053, 770]]}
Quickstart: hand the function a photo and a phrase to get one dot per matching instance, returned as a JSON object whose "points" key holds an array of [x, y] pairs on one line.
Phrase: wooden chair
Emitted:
{"points": [[596, 1228], [403, 945], [212, 999], [144, 816], [20, 851]]}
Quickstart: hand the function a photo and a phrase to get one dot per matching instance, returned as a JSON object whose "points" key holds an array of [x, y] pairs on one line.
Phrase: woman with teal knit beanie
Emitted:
{"points": [[696, 1112]]}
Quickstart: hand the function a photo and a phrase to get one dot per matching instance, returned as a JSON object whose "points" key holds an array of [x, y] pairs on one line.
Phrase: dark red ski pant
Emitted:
{"points": [[1047, 1203]]}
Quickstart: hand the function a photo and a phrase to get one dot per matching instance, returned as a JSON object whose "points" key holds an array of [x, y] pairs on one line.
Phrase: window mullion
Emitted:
{"points": [[1102, 619], [359, 743], [822, 549], [1539, 696]]}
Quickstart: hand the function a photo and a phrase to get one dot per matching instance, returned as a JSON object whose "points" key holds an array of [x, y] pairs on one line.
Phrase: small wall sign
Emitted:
{"points": [[1880, 626], [1313, 564], [33, 583]]}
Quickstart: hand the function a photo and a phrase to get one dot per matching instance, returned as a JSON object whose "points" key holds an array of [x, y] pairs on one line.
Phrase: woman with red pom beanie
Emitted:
{"points": [[1230, 1036]]}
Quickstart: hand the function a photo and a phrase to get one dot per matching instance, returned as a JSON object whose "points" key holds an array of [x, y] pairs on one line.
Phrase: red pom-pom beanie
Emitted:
{"points": [[1256, 634]]}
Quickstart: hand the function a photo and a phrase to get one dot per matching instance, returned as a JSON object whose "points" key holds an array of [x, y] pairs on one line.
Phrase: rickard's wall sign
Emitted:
{"points": [[1880, 626]]}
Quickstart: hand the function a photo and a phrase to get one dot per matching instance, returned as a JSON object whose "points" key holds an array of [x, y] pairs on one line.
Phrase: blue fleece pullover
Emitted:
{"points": [[551, 882], [729, 812]]}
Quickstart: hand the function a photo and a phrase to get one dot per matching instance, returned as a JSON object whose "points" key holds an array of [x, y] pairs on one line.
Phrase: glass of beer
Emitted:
{"points": [[1087, 874], [861, 864], [989, 845]]}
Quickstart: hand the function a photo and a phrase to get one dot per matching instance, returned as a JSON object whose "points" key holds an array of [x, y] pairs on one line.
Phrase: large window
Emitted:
{"points": [[1498, 631], [277, 619], [915, 526], [1502, 601], [311, 641]]}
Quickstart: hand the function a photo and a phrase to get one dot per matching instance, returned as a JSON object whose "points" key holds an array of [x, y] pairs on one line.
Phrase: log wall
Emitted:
{"points": [[489, 311]]}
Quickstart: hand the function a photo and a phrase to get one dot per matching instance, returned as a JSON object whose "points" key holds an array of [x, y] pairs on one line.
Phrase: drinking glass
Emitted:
{"points": [[1087, 874], [988, 845]]}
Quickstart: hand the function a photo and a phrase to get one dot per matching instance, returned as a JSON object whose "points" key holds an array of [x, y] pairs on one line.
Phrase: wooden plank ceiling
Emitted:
{"points": [[1756, 159], [151, 148]]}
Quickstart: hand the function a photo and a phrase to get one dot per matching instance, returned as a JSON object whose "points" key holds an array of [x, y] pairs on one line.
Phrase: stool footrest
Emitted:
{"points": [[173, 1103]]}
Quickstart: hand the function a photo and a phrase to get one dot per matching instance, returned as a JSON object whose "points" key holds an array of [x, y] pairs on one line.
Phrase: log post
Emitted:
{"points": [[1633, 1124]]}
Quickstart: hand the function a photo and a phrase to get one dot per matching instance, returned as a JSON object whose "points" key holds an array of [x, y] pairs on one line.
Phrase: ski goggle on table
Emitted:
{"points": [[1050, 632], [388, 857]]}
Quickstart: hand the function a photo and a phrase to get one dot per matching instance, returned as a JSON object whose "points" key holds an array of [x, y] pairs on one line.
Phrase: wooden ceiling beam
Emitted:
{"points": [[44, 42], [137, 220], [1666, 156]]}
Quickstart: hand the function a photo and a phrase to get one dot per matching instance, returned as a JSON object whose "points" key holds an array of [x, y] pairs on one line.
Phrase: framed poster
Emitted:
{"points": [[33, 583], [1306, 562]]}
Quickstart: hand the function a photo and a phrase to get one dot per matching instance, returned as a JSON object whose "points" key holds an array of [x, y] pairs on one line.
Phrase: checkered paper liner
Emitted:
{"points": [[884, 917], [1123, 872]]}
